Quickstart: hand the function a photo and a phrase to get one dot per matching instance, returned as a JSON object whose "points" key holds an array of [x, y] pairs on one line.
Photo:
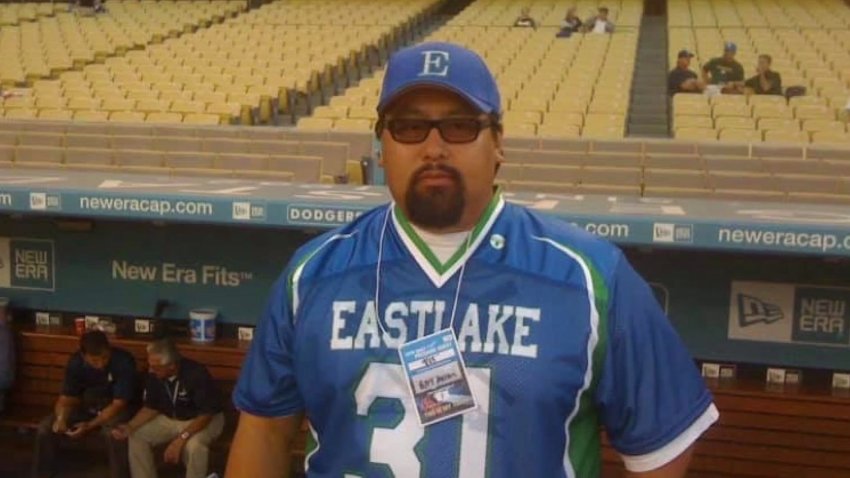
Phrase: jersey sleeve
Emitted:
{"points": [[267, 385], [652, 400]]}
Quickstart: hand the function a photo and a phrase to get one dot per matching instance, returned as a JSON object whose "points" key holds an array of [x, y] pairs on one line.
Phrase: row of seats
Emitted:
{"points": [[65, 41], [547, 13], [754, 13], [677, 175], [28, 148], [551, 87], [242, 70], [15, 13]]}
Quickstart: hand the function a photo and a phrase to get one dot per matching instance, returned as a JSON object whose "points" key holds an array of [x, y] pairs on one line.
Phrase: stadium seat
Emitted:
{"points": [[353, 125], [55, 114], [91, 115], [728, 122], [736, 134], [164, 118], [786, 136], [315, 124], [127, 116], [693, 122], [696, 133]]}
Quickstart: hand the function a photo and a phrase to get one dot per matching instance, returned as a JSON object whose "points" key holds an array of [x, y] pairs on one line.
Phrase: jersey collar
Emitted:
{"points": [[438, 272]]}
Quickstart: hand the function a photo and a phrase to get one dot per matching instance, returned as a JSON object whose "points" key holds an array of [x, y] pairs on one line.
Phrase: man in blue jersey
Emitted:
{"points": [[452, 334]]}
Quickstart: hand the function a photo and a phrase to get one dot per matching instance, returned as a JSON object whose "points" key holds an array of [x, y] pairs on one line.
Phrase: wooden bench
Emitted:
{"points": [[763, 432], [768, 432]]}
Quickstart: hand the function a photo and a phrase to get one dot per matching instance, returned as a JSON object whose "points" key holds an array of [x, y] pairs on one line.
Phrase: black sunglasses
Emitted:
{"points": [[452, 130]]}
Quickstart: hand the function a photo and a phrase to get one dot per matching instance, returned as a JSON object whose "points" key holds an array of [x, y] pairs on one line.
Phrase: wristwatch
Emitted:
{"points": [[185, 436]]}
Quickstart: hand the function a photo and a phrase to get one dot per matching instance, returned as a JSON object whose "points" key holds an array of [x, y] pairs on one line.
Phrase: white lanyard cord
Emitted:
{"points": [[378, 275]]}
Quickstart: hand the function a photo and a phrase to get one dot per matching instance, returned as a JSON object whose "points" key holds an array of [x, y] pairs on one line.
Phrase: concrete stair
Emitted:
{"points": [[649, 111]]}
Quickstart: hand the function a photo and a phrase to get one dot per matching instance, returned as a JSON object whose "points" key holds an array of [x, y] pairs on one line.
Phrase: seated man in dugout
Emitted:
{"points": [[524, 19], [98, 392], [182, 409], [766, 81]]}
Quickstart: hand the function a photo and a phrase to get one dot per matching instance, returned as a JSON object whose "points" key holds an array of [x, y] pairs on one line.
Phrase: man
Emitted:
{"points": [[557, 333], [600, 22], [570, 24], [99, 389], [725, 71], [766, 81], [524, 19], [7, 353], [682, 79], [182, 408]]}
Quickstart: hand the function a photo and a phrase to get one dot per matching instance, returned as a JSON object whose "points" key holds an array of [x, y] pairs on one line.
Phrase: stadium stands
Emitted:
{"points": [[241, 71], [809, 46], [551, 87]]}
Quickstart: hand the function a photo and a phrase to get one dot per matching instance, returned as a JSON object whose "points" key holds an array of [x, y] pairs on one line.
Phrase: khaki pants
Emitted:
{"points": [[162, 430]]}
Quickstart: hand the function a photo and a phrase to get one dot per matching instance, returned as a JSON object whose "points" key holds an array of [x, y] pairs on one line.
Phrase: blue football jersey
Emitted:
{"points": [[560, 337]]}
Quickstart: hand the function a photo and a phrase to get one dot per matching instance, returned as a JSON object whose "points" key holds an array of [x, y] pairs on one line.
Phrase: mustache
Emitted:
{"points": [[430, 168]]}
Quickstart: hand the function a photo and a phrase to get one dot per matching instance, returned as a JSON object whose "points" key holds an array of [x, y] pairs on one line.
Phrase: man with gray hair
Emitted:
{"points": [[182, 408]]}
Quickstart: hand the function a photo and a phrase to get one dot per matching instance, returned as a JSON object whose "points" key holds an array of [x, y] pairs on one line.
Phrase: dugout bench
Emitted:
{"points": [[765, 432], [44, 353]]}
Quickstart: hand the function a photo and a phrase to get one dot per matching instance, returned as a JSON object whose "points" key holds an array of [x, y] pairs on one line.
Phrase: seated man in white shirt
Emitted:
{"points": [[600, 22]]}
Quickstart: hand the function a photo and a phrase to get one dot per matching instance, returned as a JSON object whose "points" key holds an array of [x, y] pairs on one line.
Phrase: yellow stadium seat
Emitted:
{"points": [[142, 95], [779, 123], [758, 100], [91, 115], [744, 135], [692, 108], [728, 99], [558, 130], [209, 96], [813, 125], [55, 114], [330, 112], [164, 118], [602, 131], [513, 116], [315, 124], [363, 112], [127, 116], [117, 104], [772, 110], [786, 136], [693, 122], [805, 100], [20, 102], [731, 109], [21, 113], [734, 122], [520, 129], [830, 137], [202, 119], [152, 105], [353, 125], [174, 95], [805, 112], [226, 111], [696, 133], [80, 103], [556, 118], [186, 107]]}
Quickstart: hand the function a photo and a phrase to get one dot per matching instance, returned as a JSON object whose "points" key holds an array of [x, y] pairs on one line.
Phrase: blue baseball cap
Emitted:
{"points": [[443, 65], [730, 46]]}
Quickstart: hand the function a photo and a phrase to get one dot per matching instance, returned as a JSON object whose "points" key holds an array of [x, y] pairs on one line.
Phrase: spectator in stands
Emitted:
{"points": [[182, 408], [766, 81], [571, 23], [524, 19], [725, 71], [7, 353], [98, 392], [600, 22], [682, 79]]}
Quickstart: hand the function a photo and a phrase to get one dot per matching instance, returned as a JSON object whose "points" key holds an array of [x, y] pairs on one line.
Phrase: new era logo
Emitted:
{"points": [[752, 310]]}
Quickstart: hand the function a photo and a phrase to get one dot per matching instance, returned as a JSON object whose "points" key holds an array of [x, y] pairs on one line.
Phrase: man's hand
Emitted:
{"points": [[79, 430], [60, 425], [121, 432], [174, 450]]}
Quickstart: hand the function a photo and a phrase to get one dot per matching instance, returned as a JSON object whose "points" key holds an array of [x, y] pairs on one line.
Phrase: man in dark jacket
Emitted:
{"points": [[99, 389], [182, 408]]}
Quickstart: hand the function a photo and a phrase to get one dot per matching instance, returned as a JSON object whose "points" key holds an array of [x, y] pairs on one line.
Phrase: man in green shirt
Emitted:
{"points": [[725, 71]]}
